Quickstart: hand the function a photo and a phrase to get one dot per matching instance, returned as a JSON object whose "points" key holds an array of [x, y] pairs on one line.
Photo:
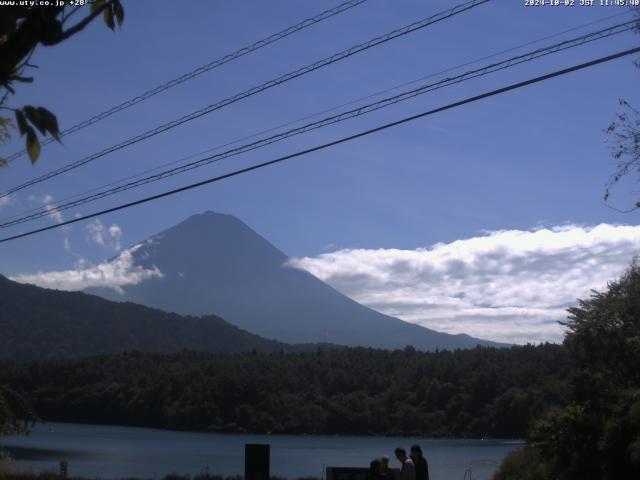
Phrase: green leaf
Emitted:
{"points": [[50, 122], [33, 115], [33, 145], [119, 12], [22, 122], [107, 14]]}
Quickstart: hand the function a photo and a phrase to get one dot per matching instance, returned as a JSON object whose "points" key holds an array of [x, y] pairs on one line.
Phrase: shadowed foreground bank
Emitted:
{"points": [[54, 476]]}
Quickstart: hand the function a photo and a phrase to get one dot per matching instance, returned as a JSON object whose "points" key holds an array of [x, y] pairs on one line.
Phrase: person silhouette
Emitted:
{"points": [[375, 469], [407, 471], [385, 471], [421, 465]]}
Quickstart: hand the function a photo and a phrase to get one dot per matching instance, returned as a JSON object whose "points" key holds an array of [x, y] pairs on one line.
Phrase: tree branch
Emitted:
{"points": [[21, 42]]}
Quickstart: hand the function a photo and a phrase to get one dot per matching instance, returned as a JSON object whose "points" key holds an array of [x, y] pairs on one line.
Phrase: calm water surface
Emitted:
{"points": [[98, 451]]}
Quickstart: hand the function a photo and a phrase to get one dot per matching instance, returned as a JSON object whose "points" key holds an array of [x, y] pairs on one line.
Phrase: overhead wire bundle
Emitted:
{"points": [[327, 110], [407, 29], [103, 192], [499, 91], [343, 7], [340, 117]]}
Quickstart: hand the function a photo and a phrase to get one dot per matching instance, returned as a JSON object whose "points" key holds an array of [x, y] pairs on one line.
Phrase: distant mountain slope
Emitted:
{"points": [[37, 323], [214, 263]]}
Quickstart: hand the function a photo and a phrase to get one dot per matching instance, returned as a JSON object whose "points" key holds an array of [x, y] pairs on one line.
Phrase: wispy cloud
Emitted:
{"points": [[108, 238], [115, 232], [4, 201], [47, 201], [509, 286], [113, 274]]}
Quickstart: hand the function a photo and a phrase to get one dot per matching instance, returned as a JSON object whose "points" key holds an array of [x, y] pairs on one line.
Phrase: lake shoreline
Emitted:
{"points": [[47, 475], [293, 433], [113, 452]]}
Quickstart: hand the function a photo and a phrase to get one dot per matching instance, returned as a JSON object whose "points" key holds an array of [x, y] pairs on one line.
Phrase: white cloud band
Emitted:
{"points": [[113, 274], [509, 285]]}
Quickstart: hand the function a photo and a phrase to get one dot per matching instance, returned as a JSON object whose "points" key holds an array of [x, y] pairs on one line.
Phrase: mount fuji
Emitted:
{"points": [[213, 263]]}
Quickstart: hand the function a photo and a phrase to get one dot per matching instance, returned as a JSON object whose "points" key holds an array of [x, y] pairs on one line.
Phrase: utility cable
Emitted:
{"points": [[527, 57], [301, 153], [199, 71], [252, 91], [313, 115]]}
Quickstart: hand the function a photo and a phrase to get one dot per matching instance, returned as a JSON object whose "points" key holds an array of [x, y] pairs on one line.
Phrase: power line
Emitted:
{"points": [[271, 83], [335, 119], [199, 71], [300, 153], [307, 117], [386, 102]]}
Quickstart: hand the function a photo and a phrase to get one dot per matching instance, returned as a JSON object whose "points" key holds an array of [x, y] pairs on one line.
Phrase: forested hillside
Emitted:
{"points": [[38, 323], [596, 435], [482, 392]]}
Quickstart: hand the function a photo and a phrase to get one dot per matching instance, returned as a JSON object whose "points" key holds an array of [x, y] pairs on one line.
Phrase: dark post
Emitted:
{"points": [[63, 468], [256, 461]]}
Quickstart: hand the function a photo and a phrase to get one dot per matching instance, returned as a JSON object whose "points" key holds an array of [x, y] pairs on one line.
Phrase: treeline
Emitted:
{"points": [[482, 392]]}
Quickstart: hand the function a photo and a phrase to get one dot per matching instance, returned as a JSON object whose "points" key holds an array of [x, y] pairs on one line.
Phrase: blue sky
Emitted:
{"points": [[522, 161]]}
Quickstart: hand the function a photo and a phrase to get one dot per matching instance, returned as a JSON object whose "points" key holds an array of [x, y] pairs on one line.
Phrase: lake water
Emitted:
{"points": [[97, 451]]}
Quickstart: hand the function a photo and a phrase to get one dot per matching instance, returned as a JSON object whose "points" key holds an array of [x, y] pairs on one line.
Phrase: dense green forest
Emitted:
{"points": [[482, 392]]}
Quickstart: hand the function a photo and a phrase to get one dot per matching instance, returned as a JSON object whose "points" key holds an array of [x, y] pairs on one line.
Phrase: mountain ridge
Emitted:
{"points": [[214, 263], [74, 324]]}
